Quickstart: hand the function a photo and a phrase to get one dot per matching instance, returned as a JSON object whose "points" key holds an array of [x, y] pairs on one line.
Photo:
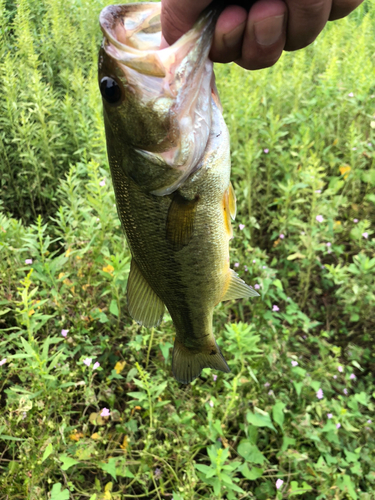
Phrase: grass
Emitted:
{"points": [[294, 416]]}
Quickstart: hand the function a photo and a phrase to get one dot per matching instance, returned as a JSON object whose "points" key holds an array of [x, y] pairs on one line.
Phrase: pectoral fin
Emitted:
{"points": [[187, 365], [232, 202], [237, 288], [180, 221], [144, 305]]}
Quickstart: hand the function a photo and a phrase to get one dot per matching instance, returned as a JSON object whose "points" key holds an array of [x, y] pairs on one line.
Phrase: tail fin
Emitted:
{"points": [[187, 364]]}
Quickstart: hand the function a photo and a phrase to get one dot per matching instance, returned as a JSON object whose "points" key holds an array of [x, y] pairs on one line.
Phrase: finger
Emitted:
{"points": [[306, 19], [178, 16], [264, 36], [229, 32], [341, 8]]}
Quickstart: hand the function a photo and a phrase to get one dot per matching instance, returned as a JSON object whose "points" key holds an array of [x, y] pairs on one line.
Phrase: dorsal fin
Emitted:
{"points": [[180, 221], [237, 288], [145, 307]]}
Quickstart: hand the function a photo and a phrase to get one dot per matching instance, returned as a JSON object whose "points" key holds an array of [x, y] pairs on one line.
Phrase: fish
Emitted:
{"points": [[169, 156]]}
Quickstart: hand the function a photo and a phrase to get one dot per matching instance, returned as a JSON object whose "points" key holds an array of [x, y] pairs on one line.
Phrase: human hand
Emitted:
{"points": [[254, 34]]}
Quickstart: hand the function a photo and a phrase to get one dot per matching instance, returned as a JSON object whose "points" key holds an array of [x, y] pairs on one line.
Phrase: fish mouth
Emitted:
{"points": [[132, 36], [182, 73]]}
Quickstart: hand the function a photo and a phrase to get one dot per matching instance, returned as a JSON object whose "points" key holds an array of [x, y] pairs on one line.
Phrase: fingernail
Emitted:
{"points": [[235, 36], [269, 30]]}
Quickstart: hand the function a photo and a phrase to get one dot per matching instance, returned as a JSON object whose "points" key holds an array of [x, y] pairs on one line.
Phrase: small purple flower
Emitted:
{"points": [[245, 268], [267, 384], [270, 392], [257, 286], [241, 226], [329, 415], [266, 150], [294, 363], [338, 426], [319, 218], [350, 94], [355, 221], [279, 483], [352, 376], [102, 183], [318, 191], [254, 261], [3, 361], [157, 473], [211, 403], [28, 261], [214, 377], [105, 412], [96, 366], [281, 236], [369, 421], [275, 308], [345, 391], [320, 394], [365, 235], [236, 264], [264, 267], [340, 369], [328, 244], [87, 361], [64, 333], [335, 376], [369, 144], [354, 149]]}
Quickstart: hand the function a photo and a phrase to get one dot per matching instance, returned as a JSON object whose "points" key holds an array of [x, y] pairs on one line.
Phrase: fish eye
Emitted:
{"points": [[110, 90]]}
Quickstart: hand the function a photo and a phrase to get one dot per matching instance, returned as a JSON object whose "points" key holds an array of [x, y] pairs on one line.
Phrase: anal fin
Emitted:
{"points": [[188, 364], [145, 307], [237, 288]]}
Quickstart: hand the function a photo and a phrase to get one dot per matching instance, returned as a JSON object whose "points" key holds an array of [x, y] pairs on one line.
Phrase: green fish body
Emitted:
{"points": [[168, 150]]}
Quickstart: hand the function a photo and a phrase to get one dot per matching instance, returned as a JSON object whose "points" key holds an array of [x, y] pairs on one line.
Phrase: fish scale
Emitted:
{"points": [[176, 217]]}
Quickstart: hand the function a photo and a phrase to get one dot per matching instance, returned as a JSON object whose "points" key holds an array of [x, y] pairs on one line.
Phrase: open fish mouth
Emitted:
{"points": [[180, 75]]}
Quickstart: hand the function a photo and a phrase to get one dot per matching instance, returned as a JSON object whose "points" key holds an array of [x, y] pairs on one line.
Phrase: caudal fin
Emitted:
{"points": [[187, 365]]}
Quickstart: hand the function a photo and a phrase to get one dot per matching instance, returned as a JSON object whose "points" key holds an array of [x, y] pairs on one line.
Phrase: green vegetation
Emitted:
{"points": [[293, 418]]}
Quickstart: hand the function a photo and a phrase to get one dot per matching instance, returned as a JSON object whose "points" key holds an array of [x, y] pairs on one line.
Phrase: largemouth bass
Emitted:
{"points": [[168, 150]]}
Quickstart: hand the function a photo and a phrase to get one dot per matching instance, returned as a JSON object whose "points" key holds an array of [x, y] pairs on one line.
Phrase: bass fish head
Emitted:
{"points": [[157, 102]]}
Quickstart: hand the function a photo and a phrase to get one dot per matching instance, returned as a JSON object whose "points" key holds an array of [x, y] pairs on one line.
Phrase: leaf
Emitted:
{"points": [[277, 283], [113, 308], [346, 483], [250, 452], [260, 420], [165, 348], [208, 471], [298, 387], [57, 494], [251, 474], [110, 467], [10, 438], [296, 255], [278, 413], [295, 489], [67, 461], [47, 452]]}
